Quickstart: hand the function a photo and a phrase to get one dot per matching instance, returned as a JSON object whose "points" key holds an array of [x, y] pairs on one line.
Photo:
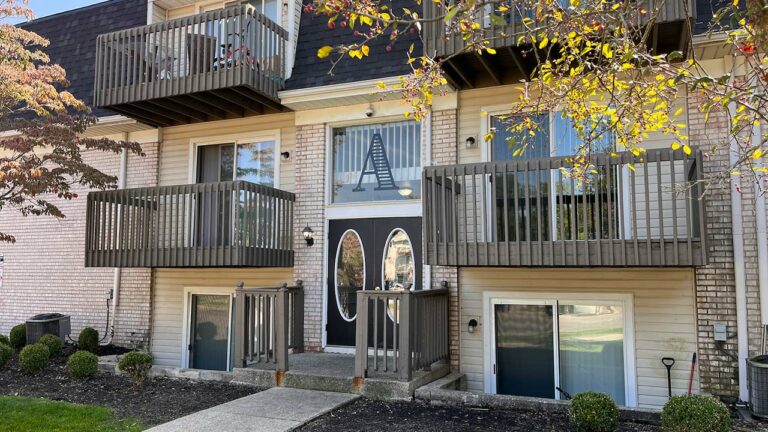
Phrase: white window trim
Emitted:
{"points": [[494, 297], [187, 320], [267, 135]]}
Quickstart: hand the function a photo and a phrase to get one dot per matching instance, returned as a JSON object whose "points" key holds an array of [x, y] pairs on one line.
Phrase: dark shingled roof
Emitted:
{"points": [[310, 71], [72, 37]]}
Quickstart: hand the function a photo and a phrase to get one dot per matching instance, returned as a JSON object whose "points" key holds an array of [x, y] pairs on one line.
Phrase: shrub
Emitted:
{"points": [[34, 358], [4, 340], [18, 336], [82, 365], [88, 340], [5, 353], [136, 365], [593, 412], [695, 413], [53, 343]]}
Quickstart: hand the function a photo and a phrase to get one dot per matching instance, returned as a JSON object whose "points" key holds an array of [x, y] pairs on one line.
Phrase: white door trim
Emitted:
{"points": [[187, 320], [534, 297]]}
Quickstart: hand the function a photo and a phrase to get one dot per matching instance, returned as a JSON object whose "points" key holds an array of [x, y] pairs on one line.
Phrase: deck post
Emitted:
{"points": [[240, 328], [281, 328], [405, 313], [298, 316], [361, 335]]}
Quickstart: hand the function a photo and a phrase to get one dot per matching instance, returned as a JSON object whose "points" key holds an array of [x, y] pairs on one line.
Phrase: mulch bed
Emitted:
{"points": [[159, 401], [369, 415]]}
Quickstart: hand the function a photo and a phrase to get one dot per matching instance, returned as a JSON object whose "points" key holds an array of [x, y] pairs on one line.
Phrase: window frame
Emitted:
{"points": [[626, 300], [261, 136]]}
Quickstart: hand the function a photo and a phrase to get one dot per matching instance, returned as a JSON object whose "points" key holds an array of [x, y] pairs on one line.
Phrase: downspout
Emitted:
{"points": [[116, 278], [739, 266], [762, 243]]}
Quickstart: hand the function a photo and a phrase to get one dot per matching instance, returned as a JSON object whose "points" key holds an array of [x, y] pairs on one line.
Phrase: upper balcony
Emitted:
{"points": [[223, 224], [510, 65], [226, 63], [639, 212]]}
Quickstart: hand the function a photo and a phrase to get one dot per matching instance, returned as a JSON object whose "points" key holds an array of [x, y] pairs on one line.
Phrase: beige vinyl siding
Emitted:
{"points": [[168, 287], [177, 145], [664, 317]]}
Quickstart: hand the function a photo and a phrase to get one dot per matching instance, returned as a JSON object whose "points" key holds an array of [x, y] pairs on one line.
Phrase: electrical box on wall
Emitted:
{"points": [[721, 332]]}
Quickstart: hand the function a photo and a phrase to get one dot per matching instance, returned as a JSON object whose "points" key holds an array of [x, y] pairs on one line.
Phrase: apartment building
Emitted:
{"points": [[415, 243]]}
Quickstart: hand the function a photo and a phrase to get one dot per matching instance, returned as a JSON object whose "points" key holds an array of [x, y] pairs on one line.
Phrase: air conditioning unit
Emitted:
{"points": [[53, 323]]}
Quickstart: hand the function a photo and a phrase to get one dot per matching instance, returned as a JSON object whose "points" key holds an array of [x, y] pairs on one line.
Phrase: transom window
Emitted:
{"points": [[377, 162]]}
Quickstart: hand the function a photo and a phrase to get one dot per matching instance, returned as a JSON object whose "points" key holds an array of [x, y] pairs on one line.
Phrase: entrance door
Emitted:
{"points": [[209, 335], [382, 253]]}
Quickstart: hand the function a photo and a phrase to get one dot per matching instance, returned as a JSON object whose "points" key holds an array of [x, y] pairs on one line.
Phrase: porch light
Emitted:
{"points": [[470, 142], [472, 325], [405, 191], [309, 235], [285, 155]]}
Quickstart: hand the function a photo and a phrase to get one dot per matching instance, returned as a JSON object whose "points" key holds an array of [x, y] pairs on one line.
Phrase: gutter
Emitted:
{"points": [[739, 268]]}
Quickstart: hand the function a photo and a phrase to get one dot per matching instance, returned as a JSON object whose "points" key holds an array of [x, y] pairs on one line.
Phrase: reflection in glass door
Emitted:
{"points": [[580, 348]]}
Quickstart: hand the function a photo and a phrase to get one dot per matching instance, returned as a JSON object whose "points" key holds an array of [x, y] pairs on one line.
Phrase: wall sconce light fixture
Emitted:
{"points": [[472, 325], [470, 142], [309, 235], [285, 155]]}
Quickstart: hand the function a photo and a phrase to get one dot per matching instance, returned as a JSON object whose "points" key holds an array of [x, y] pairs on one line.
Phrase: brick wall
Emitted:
{"points": [[44, 272], [309, 210], [445, 152]]}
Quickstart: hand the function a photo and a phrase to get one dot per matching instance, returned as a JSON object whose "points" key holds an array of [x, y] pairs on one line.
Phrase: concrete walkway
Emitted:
{"points": [[273, 410]]}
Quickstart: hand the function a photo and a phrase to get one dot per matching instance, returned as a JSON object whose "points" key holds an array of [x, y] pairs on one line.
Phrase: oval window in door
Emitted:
{"points": [[398, 267], [350, 273]]}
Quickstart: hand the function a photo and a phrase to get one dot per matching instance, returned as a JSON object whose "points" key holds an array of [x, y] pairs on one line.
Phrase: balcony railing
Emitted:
{"points": [[226, 224], [632, 211], [218, 64]]}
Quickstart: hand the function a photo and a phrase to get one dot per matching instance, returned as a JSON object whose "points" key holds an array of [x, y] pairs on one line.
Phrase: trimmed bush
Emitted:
{"points": [[53, 343], [136, 365], [34, 358], [593, 412], [4, 340], [88, 340], [82, 365], [695, 413], [18, 336], [6, 352]]}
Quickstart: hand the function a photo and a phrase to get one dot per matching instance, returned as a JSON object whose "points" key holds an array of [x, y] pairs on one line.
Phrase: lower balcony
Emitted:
{"points": [[633, 211], [225, 224]]}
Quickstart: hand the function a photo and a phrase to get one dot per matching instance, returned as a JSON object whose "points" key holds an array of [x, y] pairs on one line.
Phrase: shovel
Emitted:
{"points": [[668, 363]]}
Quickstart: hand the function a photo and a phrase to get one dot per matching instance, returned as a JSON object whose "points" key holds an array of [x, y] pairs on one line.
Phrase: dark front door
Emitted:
{"points": [[382, 253], [209, 344]]}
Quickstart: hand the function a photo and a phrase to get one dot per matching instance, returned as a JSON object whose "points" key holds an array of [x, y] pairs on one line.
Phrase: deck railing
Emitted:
{"points": [[235, 46], [399, 332], [268, 323], [632, 211], [440, 41], [225, 224]]}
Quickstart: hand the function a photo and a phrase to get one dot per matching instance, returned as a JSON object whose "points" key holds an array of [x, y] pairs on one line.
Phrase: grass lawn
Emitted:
{"points": [[20, 414]]}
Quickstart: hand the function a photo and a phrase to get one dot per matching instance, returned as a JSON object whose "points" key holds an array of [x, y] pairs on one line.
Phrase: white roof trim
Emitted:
{"points": [[357, 88]]}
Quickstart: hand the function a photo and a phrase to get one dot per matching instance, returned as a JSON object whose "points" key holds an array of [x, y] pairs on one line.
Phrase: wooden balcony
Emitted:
{"points": [[221, 64], [510, 65], [529, 213], [227, 224]]}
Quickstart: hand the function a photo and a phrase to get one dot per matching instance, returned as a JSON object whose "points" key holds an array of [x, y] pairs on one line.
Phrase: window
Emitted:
{"points": [[540, 345], [350, 274], [378, 162], [252, 161]]}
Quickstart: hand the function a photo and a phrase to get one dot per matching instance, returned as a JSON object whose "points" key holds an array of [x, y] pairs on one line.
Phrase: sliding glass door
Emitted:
{"points": [[542, 345]]}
